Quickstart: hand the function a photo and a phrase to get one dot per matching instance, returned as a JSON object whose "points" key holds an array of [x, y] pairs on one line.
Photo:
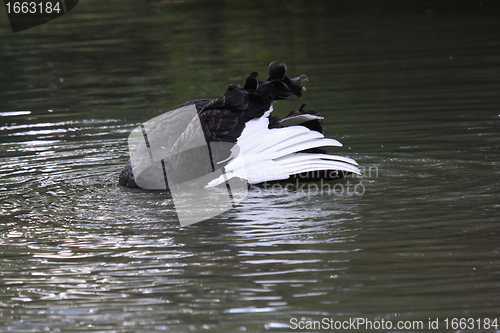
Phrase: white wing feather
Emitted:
{"points": [[275, 154]]}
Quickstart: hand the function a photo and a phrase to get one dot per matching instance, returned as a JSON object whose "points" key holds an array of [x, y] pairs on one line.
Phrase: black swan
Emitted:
{"points": [[272, 149]]}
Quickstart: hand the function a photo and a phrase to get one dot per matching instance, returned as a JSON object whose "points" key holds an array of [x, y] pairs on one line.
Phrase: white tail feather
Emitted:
{"points": [[275, 154]]}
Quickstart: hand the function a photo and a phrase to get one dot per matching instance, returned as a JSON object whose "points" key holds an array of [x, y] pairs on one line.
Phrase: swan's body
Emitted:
{"points": [[270, 149]]}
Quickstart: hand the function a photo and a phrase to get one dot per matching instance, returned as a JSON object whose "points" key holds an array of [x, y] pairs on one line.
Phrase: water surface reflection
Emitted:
{"points": [[413, 97]]}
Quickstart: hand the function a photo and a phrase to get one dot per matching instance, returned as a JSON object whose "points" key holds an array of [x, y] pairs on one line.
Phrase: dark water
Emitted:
{"points": [[414, 97]]}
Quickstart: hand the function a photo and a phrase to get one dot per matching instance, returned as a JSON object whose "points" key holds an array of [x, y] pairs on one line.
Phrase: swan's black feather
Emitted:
{"points": [[223, 119]]}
